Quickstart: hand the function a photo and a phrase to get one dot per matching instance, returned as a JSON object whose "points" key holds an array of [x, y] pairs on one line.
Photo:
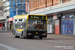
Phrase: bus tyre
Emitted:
{"points": [[16, 36], [24, 37], [40, 37]]}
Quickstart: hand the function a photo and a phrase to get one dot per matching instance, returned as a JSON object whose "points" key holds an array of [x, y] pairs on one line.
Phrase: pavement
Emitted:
{"points": [[61, 38]]}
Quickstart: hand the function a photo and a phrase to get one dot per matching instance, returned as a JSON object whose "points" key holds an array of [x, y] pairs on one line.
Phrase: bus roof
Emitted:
{"points": [[25, 16], [20, 16]]}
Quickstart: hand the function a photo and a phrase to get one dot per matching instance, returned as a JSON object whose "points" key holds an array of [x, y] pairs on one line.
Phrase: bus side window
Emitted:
{"points": [[24, 23]]}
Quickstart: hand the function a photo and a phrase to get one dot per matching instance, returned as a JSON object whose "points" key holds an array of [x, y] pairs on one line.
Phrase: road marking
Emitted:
{"points": [[8, 47], [60, 42]]}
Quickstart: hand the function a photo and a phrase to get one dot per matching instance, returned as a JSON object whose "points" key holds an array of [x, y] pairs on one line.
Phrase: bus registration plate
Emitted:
{"points": [[36, 32]]}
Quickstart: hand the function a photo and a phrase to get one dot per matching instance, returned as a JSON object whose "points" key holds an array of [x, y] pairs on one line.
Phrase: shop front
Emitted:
{"points": [[50, 25], [67, 24], [64, 23], [1, 25], [57, 23]]}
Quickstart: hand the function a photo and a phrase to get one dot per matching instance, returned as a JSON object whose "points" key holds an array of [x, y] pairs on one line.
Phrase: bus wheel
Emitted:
{"points": [[16, 36], [40, 37], [24, 37]]}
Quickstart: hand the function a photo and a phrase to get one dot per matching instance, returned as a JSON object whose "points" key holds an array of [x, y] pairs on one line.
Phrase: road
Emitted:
{"points": [[52, 42]]}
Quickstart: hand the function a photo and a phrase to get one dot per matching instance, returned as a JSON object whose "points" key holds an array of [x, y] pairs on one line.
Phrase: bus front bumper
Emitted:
{"points": [[37, 33]]}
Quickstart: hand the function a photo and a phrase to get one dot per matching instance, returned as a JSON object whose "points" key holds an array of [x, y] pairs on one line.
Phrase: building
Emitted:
{"points": [[2, 18], [17, 7], [1, 1], [1, 4], [1, 14], [60, 14], [6, 14]]}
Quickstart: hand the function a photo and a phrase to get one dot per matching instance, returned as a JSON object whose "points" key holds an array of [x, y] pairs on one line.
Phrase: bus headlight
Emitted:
{"points": [[28, 33], [44, 34]]}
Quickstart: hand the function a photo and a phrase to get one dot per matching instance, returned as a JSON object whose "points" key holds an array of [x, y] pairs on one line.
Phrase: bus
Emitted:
{"points": [[30, 26]]}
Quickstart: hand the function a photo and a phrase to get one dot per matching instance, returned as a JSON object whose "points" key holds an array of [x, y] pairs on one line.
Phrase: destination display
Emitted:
{"points": [[37, 17]]}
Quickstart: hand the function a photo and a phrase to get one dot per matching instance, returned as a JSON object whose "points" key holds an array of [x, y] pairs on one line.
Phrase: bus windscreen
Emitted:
{"points": [[37, 25]]}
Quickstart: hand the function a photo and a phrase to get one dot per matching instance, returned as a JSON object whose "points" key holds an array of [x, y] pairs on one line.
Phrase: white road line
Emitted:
{"points": [[8, 47], [60, 42]]}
